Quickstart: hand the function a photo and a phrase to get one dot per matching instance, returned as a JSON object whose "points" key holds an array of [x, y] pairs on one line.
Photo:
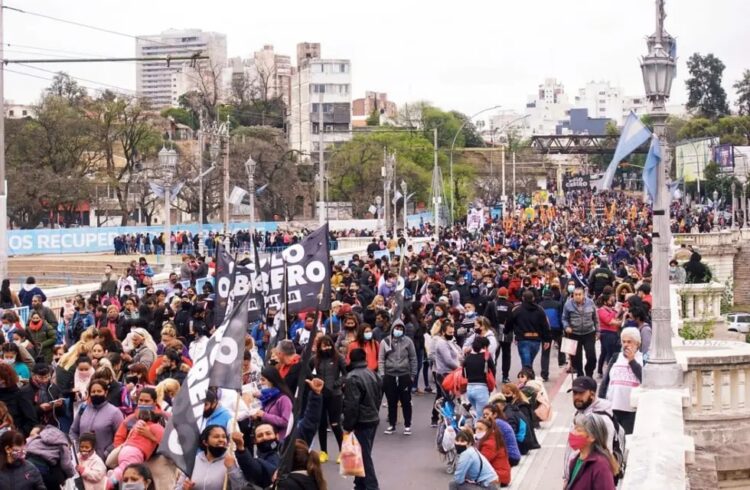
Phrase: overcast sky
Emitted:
{"points": [[465, 55]]}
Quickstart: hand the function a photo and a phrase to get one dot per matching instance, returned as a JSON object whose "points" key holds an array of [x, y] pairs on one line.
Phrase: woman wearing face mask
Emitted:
{"points": [[378, 304], [492, 446], [213, 464], [473, 470], [12, 357], [328, 365], [594, 467], [482, 328], [276, 401], [146, 401], [446, 356], [15, 471], [20, 407], [137, 477], [42, 335], [367, 343], [348, 333], [99, 416]]}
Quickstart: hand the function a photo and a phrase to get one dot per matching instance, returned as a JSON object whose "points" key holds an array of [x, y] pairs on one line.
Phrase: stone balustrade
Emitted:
{"points": [[700, 303]]}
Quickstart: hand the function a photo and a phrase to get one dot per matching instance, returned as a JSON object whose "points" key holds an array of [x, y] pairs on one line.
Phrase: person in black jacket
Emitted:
{"points": [[19, 407], [497, 312], [362, 395], [330, 366], [529, 324], [46, 397]]}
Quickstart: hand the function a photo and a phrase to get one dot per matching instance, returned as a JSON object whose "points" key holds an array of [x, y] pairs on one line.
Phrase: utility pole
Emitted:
{"points": [[505, 197], [514, 180], [199, 160], [386, 173], [250, 167], [437, 186], [3, 184], [322, 206], [224, 131]]}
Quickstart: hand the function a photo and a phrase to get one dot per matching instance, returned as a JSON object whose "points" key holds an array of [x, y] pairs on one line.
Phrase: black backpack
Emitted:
{"points": [[618, 445]]}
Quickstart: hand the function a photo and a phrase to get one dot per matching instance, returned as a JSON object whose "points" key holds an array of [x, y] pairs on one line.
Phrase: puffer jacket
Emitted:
{"points": [[397, 357], [52, 446], [582, 319], [24, 476], [363, 392]]}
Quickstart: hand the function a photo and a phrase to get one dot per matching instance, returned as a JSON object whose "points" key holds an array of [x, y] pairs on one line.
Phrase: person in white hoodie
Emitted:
{"points": [[90, 466]]}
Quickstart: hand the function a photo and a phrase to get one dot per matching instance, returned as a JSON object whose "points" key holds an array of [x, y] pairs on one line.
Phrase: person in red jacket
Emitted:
{"points": [[594, 468], [491, 444]]}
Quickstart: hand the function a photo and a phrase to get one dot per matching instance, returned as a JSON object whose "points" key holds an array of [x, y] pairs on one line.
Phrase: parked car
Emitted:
{"points": [[739, 322]]}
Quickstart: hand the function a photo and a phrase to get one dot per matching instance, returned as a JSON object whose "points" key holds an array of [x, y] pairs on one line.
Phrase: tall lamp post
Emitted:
{"points": [[168, 165], [378, 203], [250, 168], [453, 144], [658, 67], [404, 188]]}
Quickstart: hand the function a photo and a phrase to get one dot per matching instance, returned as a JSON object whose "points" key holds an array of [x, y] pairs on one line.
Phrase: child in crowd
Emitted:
{"points": [[141, 443], [90, 467]]}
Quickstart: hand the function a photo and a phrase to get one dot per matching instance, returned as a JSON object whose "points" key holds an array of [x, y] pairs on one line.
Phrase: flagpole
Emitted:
{"points": [[235, 425]]}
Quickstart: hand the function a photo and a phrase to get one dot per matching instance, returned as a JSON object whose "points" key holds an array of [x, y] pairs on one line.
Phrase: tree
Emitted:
{"points": [[127, 138], [374, 118], [706, 95], [181, 115], [742, 86], [472, 138], [66, 87], [729, 129]]}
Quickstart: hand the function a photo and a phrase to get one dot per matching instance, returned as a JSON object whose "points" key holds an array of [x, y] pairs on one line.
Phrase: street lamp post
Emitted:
{"points": [[406, 202], [168, 164], [658, 67], [378, 203], [734, 208], [453, 144], [250, 167]]}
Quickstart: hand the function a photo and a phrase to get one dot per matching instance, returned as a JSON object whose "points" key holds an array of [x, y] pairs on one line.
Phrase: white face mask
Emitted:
{"points": [[479, 435]]}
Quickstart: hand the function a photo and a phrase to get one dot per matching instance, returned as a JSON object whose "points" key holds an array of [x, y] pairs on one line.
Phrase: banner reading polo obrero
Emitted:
{"points": [[634, 134], [220, 365], [308, 268]]}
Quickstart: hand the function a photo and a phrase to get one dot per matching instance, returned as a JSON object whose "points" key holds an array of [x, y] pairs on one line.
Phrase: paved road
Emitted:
{"points": [[405, 462]]}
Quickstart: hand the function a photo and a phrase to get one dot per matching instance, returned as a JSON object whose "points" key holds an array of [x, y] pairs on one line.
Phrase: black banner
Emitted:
{"points": [[308, 270], [219, 365], [576, 183]]}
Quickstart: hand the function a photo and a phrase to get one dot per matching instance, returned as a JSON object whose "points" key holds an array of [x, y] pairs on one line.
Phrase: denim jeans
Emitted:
{"points": [[366, 438], [478, 395], [527, 351], [610, 343]]}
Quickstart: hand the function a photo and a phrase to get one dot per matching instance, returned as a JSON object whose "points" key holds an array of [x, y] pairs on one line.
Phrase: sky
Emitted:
{"points": [[466, 55]]}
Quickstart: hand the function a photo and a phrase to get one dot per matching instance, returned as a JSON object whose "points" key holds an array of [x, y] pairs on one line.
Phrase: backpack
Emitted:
{"points": [[618, 445]]}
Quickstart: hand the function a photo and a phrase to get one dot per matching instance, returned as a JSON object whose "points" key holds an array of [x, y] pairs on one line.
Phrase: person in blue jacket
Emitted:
{"points": [[29, 290], [473, 471]]}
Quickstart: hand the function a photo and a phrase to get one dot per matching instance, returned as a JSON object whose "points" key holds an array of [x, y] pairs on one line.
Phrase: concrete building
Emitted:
{"points": [[548, 108], [266, 74], [18, 111], [602, 101], [373, 101], [160, 82], [317, 80]]}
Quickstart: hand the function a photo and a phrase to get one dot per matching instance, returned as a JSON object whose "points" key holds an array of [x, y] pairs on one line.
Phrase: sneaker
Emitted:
{"points": [[506, 380], [390, 430], [323, 456], [338, 459], [428, 389], [407, 431], [433, 425]]}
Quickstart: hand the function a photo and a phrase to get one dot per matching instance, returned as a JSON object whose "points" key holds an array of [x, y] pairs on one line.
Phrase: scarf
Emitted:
{"points": [[268, 395], [36, 326]]}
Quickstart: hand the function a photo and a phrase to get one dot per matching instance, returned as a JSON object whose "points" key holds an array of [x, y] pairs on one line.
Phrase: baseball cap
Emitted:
{"points": [[502, 292], [583, 383]]}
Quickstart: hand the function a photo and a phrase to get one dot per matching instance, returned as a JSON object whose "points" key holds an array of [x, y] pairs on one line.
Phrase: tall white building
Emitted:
{"points": [[162, 82], [266, 73], [602, 100], [319, 81], [547, 108]]}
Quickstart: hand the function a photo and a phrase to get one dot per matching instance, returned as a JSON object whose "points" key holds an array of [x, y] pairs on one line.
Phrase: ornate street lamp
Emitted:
{"points": [[658, 67], [168, 168]]}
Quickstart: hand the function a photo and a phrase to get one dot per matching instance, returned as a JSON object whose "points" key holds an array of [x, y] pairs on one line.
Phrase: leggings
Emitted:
{"points": [[424, 367], [332, 407]]}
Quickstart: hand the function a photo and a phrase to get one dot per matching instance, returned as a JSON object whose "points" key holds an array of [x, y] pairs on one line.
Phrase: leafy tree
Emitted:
{"points": [[742, 86], [374, 118], [706, 95], [472, 138], [730, 129], [181, 115], [66, 87]]}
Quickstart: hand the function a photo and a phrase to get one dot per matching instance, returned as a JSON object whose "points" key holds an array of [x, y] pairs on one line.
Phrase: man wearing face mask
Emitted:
{"points": [[586, 402], [259, 469], [397, 365], [213, 412], [45, 396], [497, 312]]}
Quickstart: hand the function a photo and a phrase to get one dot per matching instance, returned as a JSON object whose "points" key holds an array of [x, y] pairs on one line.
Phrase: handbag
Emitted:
{"points": [[352, 463], [490, 376], [569, 346], [455, 382]]}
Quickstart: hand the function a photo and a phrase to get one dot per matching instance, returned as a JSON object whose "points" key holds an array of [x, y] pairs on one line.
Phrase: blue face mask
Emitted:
{"points": [[398, 333], [146, 407], [368, 335]]}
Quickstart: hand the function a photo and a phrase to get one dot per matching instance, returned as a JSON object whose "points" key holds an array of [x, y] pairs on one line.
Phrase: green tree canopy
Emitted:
{"points": [[742, 86], [706, 96]]}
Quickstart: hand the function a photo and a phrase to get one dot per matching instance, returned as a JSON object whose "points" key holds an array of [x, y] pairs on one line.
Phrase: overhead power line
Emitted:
{"points": [[78, 78], [51, 50], [85, 26]]}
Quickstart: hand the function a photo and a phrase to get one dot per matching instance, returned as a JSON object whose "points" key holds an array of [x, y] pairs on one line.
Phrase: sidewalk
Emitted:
{"points": [[543, 468]]}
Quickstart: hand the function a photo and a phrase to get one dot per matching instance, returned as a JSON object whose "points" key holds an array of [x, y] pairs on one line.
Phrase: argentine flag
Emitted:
{"points": [[633, 135], [651, 168]]}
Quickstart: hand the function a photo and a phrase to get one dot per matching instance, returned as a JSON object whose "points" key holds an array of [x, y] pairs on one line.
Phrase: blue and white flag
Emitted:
{"points": [[651, 169], [634, 134]]}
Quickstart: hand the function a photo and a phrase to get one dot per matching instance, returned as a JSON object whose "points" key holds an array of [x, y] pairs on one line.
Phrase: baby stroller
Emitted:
{"points": [[453, 416]]}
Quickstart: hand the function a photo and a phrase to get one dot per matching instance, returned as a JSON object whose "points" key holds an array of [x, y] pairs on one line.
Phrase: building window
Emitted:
{"points": [[24, 113], [11, 113]]}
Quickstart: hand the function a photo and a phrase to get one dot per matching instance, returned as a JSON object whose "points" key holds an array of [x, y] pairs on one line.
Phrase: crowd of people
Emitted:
{"points": [[87, 391]]}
